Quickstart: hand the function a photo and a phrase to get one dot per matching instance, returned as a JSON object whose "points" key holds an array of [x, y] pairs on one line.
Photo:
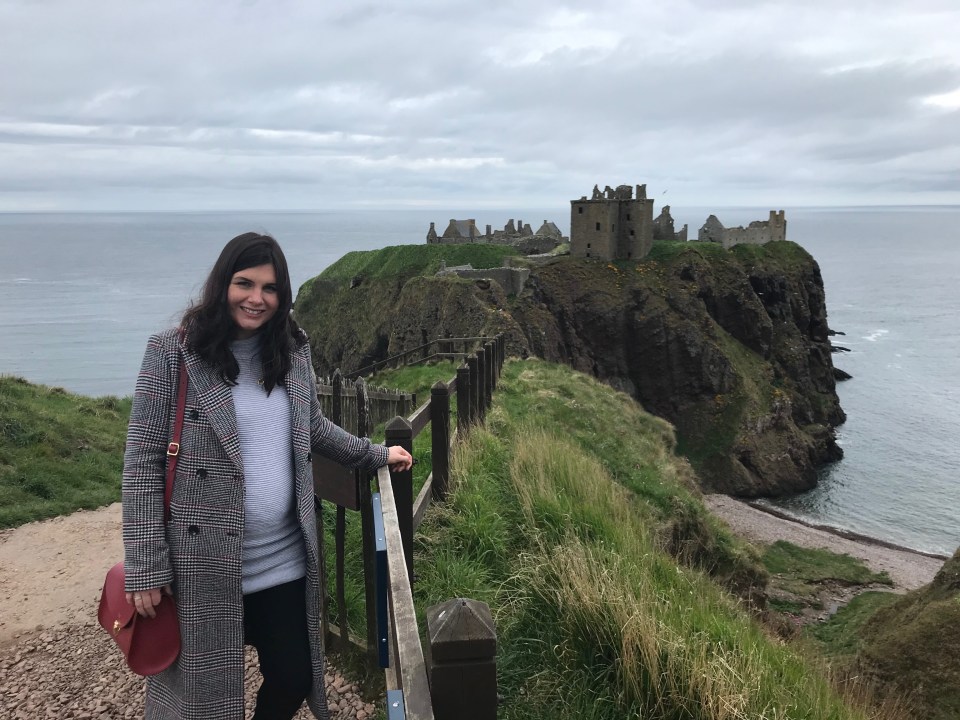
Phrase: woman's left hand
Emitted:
{"points": [[399, 459]]}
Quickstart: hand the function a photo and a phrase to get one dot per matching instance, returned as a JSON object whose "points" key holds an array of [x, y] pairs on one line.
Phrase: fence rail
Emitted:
{"points": [[445, 349], [416, 688]]}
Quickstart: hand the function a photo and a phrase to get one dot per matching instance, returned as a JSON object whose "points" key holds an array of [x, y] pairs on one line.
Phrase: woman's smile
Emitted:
{"points": [[252, 299]]}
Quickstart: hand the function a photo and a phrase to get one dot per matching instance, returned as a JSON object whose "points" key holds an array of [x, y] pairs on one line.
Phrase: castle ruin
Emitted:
{"points": [[613, 225], [758, 232], [519, 235]]}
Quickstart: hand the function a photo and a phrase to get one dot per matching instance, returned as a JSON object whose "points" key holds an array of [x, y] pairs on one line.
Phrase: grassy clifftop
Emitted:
{"points": [[59, 452], [568, 511], [731, 347]]}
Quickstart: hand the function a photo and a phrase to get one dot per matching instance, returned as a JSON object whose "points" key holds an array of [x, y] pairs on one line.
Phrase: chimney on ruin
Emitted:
{"points": [[489, 230]]}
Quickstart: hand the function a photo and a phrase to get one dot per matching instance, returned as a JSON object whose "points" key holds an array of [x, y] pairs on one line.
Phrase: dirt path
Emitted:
{"points": [[55, 661], [51, 572], [908, 570]]}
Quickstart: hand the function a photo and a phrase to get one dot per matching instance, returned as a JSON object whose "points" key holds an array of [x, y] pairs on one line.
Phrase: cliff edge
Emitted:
{"points": [[731, 346]]}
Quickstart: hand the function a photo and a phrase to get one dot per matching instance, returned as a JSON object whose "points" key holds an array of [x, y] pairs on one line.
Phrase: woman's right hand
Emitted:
{"points": [[146, 601]]}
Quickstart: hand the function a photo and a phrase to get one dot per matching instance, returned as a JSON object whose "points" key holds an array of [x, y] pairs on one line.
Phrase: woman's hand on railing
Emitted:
{"points": [[399, 459]]}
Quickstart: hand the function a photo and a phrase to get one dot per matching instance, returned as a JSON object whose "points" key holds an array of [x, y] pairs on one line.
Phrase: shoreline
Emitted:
{"points": [[908, 569], [841, 532]]}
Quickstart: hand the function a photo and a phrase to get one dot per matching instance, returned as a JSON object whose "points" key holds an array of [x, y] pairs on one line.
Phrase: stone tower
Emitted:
{"points": [[612, 225]]}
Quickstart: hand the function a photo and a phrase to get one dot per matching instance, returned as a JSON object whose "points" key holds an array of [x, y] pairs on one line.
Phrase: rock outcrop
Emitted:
{"points": [[731, 347]]}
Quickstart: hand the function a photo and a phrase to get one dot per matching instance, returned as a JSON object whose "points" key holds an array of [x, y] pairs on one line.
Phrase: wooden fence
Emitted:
{"points": [[341, 401], [449, 348], [451, 686]]}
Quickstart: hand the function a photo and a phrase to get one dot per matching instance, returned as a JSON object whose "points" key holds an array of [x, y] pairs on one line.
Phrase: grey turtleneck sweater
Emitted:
{"points": [[273, 549]]}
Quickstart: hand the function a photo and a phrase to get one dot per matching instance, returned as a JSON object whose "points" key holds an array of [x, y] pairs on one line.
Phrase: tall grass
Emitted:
{"points": [[566, 544]]}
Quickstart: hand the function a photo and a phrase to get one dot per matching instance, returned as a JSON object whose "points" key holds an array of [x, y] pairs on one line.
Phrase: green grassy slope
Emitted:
{"points": [[564, 509], [59, 452]]}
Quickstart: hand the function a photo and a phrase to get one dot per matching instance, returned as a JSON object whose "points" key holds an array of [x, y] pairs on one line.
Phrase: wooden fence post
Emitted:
{"points": [[340, 531], [364, 426], [440, 437], [461, 660], [473, 363], [488, 353], [324, 589], [400, 432], [463, 398], [481, 384]]}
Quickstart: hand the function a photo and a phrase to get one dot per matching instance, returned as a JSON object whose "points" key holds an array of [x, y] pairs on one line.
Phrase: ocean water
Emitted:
{"points": [[82, 292]]}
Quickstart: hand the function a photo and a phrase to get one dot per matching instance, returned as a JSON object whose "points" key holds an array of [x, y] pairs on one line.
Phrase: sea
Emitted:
{"points": [[81, 292]]}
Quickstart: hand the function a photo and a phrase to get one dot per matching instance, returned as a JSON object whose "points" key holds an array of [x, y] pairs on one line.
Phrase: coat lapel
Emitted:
{"points": [[215, 397]]}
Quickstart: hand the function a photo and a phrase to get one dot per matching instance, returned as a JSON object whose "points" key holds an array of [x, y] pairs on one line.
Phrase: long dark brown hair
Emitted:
{"points": [[210, 328]]}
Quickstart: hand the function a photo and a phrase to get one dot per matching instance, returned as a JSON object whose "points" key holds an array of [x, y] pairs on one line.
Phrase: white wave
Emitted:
{"points": [[876, 335]]}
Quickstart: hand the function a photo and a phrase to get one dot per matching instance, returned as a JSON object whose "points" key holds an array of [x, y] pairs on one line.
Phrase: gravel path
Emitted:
{"points": [[55, 661], [908, 570]]}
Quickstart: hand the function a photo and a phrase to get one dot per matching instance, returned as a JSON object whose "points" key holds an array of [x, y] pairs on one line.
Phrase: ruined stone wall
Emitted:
{"points": [[759, 232], [591, 233], [635, 229], [612, 224]]}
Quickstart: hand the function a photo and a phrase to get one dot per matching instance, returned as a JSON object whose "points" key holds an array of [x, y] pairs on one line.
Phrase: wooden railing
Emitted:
{"points": [[389, 520], [343, 400], [439, 349]]}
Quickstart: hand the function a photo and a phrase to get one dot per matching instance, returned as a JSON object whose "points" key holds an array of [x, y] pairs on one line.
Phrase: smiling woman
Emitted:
{"points": [[235, 542], [252, 299]]}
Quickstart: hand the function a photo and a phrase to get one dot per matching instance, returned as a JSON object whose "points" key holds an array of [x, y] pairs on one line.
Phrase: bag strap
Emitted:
{"points": [[173, 449]]}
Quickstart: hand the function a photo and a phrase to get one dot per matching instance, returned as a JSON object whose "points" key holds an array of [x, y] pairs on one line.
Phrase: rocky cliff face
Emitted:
{"points": [[730, 346]]}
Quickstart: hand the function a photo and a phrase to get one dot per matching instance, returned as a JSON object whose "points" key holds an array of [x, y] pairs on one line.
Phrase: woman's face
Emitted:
{"points": [[252, 299]]}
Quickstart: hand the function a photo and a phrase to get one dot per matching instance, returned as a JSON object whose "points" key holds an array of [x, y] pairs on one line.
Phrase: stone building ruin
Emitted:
{"points": [[612, 224], [615, 225], [519, 235], [758, 232]]}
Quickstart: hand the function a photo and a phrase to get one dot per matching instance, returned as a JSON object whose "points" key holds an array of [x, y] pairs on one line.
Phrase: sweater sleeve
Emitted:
{"points": [[146, 555], [335, 443]]}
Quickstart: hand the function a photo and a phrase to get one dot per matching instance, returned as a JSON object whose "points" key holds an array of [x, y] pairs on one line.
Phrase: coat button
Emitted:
{"points": [[194, 414], [194, 530], [202, 473]]}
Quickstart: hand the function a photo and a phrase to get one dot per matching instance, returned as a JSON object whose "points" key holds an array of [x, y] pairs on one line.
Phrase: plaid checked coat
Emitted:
{"points": [[199, 552]]}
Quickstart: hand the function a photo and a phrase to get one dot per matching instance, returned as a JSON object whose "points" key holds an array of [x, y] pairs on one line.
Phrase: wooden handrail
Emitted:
{"points": [[412, 670], [393, 636], [373, 367]]}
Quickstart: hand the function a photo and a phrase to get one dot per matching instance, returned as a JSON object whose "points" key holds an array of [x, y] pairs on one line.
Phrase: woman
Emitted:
{"points": [[239, 551]]}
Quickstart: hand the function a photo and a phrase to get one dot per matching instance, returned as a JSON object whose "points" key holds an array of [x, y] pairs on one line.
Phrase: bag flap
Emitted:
{"points": [[115, 613]]}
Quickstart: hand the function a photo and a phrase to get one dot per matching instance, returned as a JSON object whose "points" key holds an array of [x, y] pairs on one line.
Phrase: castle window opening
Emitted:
{"points": [[631, 233], [580, 210], [628, 217], [588, 244], [598, 226]]}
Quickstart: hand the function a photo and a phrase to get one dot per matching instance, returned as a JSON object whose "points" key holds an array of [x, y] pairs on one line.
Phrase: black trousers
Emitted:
{"points": [[275, 623]]}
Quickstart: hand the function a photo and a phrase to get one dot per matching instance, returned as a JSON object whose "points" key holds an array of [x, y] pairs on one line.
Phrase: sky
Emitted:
{"points": [[120, 105]]}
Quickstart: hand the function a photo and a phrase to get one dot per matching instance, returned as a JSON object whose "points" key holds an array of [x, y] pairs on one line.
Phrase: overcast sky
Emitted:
{"points": [[310, 104]]}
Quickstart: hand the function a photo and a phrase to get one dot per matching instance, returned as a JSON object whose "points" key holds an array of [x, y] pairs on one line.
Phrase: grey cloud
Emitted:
{"points": [[464, 101]]}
